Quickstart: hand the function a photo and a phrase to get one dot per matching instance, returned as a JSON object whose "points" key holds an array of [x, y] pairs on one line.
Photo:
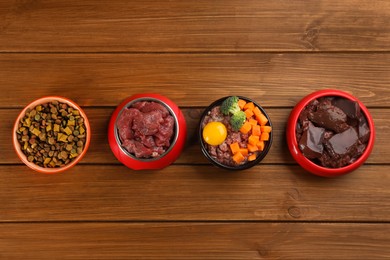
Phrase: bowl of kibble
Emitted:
{"points": [[51, 134], [330, 133], [147, 131], [235, 133]]}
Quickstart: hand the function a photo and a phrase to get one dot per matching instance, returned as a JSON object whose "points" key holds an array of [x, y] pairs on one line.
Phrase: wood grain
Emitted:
{"points": [[193, 26], [194, 241], [100, 153], [265, 192], [274, 80]]}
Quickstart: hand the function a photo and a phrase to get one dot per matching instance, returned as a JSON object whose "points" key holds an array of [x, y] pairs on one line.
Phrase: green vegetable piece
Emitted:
{"points": [[237, 120], [37, 117], [230, 105]]}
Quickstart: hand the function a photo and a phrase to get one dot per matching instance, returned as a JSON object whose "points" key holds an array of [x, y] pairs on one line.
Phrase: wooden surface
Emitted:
{"points": [[99, 52]]}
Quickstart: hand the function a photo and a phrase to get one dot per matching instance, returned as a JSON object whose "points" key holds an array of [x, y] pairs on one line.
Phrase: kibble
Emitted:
{"points": [[52, 134]]}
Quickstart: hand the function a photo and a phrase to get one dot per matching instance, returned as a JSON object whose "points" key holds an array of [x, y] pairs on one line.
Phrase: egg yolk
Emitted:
{"points": [[214, 133]]}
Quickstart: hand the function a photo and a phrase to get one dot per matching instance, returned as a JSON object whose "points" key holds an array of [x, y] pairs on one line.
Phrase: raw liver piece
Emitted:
{"points": [[330, 118], [311, 141]]}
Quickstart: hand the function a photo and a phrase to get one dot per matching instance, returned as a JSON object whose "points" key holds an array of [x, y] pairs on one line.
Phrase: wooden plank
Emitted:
{"points": [[275, 80], [265, 192], [99, 151], [194, 241], [192, 26]]}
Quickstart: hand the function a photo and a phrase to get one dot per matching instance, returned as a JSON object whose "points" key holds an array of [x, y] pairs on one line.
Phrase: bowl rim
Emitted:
{"points": [[175, 129], [247, 165], [43, 100], [293, 143]]}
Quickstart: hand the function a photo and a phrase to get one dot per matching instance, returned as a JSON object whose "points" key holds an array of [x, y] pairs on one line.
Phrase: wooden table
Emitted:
{"points": [[99, 52]]}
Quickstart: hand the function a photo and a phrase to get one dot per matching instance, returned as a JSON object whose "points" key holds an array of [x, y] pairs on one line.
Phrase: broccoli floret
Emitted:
{"points": [[230, 105], [237, 120]]}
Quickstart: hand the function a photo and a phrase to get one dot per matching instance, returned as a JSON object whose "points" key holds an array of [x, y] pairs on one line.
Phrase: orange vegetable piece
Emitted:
{"points": [[256, 130], [248, 113], [246, 127], [253, 139], [249, 105], [262, 120], [238, 157], [241, 103], [252, 148], [264, 137], [235, 147], [252, 157], [252, 121], [257, 112], [266, 129], [260, 145], [244, 151]]}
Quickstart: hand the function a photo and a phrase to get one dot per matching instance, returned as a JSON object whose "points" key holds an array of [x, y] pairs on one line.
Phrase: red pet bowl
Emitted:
{"points": [[177, 141], [293, 143]]}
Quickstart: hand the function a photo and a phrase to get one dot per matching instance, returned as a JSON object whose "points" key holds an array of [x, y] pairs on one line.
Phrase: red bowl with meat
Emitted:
{"points": [[330, 133], [147, 131], [235, 133]]}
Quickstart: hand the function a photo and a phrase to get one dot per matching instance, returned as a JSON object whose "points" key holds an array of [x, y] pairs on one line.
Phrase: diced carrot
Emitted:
{"points": [[262, 120], [257, 111], [235, 147], [252, 121], [249, 105], [253, 139], [252, 148], [245, 128], [256, 130], [252, 157], [264, 137], [241, 103], [266, 129], [260, 145], [248, 113], [238, 157], [244, 151]]}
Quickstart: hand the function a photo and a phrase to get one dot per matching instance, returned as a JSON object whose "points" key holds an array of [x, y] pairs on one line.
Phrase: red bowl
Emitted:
{"points": [[23, 157], [293, 143], [177, 144]]}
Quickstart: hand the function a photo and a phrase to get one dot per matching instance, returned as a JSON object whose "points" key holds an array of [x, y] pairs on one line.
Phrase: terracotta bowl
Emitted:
{"points": [[293, 143], [23, 157], [176, 144]]}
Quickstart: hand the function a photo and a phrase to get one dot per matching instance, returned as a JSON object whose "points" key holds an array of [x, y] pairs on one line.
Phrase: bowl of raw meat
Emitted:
{"points": [[235, 133], [330, 133], [147, 131]]}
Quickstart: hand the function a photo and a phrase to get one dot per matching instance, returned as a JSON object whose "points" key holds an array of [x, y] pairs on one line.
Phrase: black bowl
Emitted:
{"points": [[248, 164]]}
